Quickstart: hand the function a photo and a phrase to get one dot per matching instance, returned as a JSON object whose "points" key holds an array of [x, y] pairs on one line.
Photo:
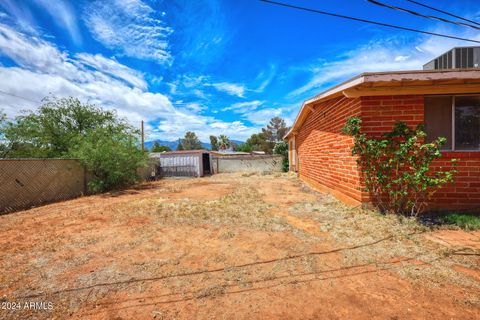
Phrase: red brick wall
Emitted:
{"points": [[464, 192], [324, 153], [380, 113]]}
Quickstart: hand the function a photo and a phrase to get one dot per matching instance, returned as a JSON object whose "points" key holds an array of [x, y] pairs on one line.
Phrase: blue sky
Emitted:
{"points": [[211, 66]]}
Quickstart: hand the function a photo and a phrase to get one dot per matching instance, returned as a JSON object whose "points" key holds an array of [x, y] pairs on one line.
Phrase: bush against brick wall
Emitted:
{"points": [[324, 152], [397, 166]]}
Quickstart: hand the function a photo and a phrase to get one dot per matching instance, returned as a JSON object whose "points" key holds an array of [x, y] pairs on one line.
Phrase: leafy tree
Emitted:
{"points": [[104, 143], [244, 147], [213, 143], [270, 135], [49, 131], [397, 166], [159, 148], [275, 130], [3, 145], [223, 142], [179, 145], [112, 156], [259, 142], [281, 148], [190, 142]]}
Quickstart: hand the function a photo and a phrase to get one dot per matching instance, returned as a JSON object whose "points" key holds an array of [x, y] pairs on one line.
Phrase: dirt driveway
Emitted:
{"points": [[230, 246]]}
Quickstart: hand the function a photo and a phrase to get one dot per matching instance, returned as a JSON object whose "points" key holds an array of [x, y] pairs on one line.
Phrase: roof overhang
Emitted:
{"points": [[417, 82]]}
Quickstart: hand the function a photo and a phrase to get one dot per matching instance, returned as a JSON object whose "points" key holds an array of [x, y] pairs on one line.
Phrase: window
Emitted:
{"points": [[438, 119], [455, 118], [467, 123]]}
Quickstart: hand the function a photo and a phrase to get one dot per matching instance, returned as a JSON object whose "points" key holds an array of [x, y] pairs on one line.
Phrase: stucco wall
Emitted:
{"points": [[247, 164]]}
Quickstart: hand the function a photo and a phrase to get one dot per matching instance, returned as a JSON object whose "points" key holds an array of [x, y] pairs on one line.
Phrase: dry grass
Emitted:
{"points": [[401, 239], [182, 246], [241, 208]]}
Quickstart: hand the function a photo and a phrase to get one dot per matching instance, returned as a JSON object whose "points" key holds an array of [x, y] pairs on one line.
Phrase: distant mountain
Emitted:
{"points": [[173, 144]]}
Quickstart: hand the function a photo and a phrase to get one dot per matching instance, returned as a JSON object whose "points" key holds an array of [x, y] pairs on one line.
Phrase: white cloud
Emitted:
{"points": [[33, 53], [31, 87], [190, 81], [113, 68], [131, 103], [233, 89], [263, 116], [43, 70], [193, 84], [249, 110], [130, 26], [266, 77], [192, 106], [401, 58], [203, 126], [41, 56], [199, 93], [18, 15], [63, 15], [385, 55], [243, 107]]}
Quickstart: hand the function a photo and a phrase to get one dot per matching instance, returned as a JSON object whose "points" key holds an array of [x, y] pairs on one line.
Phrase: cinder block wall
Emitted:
{"points": [[247, 164], [324, 152]]}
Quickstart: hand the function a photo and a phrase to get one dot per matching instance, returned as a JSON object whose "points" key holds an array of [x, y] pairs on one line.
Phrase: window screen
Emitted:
{"points": [[467, 123], [438, 119]]}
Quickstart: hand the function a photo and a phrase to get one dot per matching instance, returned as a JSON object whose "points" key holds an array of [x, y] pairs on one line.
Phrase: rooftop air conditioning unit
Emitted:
{"points": [[456, 58]]}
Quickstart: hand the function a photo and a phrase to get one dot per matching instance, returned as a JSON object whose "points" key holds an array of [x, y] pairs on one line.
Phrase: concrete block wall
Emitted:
{"points": [[247, 164]]}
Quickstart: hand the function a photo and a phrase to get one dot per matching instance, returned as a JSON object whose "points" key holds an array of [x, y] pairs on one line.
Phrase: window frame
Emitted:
{"points": [[453, 98]]}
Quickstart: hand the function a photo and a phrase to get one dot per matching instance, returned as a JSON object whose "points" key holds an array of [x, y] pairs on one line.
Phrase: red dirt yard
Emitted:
{"points": [[231, 246]]}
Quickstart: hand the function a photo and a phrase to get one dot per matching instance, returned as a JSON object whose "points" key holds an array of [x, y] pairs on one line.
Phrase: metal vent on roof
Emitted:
{"points": [[456, 58]]}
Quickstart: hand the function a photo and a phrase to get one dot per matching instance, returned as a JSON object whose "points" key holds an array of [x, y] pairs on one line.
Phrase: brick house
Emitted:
{"points": [[447, 101]]}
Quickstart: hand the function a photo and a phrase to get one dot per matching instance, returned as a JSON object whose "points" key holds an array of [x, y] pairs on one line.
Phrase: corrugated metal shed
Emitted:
{"points": [[185, 163]]}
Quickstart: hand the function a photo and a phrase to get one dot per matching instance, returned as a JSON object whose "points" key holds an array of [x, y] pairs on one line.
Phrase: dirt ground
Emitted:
{"points": [[231, 246]]}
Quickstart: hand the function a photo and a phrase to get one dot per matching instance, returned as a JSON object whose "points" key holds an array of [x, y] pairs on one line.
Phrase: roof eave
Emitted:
{"points": [[399, 77]]}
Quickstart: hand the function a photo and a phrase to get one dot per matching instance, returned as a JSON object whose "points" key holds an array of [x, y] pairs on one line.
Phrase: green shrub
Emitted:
{"points": [[281, 148], [66, 128], [159, 148], [49, 131], [463, 220], [244, 148], [397, 166], [112, 156]]}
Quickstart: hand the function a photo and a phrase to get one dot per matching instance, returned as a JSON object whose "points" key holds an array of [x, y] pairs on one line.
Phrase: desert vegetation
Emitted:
{"points": [[105, 143], [233, 245]]}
